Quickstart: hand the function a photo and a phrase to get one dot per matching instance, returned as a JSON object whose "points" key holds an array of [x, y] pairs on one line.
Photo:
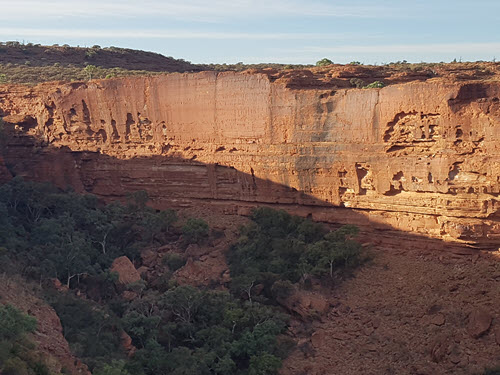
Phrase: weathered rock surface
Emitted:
{"points": [[419, 157], [479, 322], [126, 271], [398, 316], [49, 335]]}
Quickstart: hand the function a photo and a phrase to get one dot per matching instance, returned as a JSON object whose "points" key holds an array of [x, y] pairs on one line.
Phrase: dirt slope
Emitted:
{"points": [[408, 313]]}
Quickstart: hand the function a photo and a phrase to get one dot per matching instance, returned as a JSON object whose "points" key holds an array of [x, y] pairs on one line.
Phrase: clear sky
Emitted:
{"points": [[251, 31]]}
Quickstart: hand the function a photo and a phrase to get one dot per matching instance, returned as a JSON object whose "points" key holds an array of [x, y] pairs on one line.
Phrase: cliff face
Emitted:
{"points": [[421, 157]]}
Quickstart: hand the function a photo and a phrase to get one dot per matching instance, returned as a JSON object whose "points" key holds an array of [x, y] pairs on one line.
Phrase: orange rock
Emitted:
{"points": [[127, 273], [127, 345], [416, 156]]}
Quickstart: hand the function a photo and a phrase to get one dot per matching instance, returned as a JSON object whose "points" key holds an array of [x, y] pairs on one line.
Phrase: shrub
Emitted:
{"points": [[174, 261], [375, 85], [195, 231], [357, 82], [14, 324], [278, 246], [324, 62]]}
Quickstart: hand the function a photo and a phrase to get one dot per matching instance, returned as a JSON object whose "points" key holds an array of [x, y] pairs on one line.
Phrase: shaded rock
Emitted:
{"points": [[436, 319], [306, 348], [405, 125], [129, 295], [143, 270], [149, 258], [497, 335], [318, 338], [479, 322], [126, 271], [305, 304], [439, 348], [226, 277], [126, 342]]}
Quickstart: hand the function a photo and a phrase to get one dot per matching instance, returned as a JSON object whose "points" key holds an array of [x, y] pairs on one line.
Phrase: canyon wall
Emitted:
{"points": [[419, 157]]}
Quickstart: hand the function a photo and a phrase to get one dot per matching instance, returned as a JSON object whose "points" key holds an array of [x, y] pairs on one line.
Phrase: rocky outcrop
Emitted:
{"points": [[418, 157], [49, 336], [127, 274]]}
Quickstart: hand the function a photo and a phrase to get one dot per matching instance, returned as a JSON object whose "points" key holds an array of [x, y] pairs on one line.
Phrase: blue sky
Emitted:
{"points": [[284, 31]]}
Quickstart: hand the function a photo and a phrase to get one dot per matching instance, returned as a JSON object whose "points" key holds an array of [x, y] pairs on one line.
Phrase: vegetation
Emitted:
{"points": [[278, 249], [68, 236], [90, 70], [492, 371], [17, 354], [195, 231], [324, 62], [175, 329], [238, 67], [31, 75], [375, 85]]}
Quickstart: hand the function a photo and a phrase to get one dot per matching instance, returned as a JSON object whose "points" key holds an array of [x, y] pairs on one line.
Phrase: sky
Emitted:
{"points": [[253, 31]]}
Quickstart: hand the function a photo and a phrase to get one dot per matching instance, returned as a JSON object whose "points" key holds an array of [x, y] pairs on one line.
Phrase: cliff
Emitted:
{"points": [[419, 156]]}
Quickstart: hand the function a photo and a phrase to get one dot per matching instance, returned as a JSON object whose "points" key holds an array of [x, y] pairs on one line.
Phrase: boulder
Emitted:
{"points": [[126, 271], [479, 322]]}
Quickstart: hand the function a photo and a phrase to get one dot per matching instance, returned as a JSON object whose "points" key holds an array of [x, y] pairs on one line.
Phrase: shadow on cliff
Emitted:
{"points": [[175, 182]]}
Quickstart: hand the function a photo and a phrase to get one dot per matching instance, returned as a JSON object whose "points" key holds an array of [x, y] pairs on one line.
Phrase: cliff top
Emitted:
{"points": [[33, 64], [360, 76]]}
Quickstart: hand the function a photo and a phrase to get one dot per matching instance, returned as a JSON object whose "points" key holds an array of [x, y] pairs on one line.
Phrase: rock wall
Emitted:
{"points": [[419, 157]]}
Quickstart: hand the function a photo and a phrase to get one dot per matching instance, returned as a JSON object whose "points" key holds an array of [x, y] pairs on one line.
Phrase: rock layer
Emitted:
{"points": [[419, 157]]}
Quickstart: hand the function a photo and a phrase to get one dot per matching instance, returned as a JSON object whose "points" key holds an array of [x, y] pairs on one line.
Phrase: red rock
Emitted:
{"points": [[437, 319], [318, 338], [479, 322], [149, 257], [127, 345], [439, 348], [129, 295], [394, 156], [126, 271]]}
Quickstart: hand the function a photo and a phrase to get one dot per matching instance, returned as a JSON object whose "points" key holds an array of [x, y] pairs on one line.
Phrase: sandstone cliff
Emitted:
{"points": [[420, 156]]}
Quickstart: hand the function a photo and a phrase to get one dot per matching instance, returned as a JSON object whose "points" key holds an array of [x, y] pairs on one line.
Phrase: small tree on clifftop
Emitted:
{"points": [[324, 62]]}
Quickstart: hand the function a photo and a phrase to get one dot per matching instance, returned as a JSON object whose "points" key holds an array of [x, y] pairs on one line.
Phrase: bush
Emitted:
{"points": [[174, 261], [357, 82], [375, 85], [14, 324], [324, 62], [278, 246], [195, 231]]}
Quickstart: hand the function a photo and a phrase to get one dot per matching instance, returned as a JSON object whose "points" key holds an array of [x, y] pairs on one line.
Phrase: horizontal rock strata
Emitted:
{"points": [[418, 157]]}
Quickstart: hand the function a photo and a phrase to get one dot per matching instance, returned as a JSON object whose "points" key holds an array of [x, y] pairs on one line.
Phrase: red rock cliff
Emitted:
{"points": [[421, 157]]}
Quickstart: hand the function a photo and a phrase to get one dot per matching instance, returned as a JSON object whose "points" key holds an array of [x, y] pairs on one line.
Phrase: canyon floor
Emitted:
{"points": [[408, 312]]}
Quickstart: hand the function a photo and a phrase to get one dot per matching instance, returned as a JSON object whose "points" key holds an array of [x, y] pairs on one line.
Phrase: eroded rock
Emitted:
{"points": [[479, 322], [126, 271], [419, 157]]}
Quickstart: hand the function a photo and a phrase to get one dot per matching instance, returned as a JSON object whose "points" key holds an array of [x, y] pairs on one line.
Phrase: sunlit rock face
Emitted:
{"points": [[419, 157]]}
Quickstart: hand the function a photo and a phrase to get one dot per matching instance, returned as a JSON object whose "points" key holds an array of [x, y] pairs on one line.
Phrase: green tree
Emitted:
{"points": [[264, 364], [195, 231], [324, 62], [116, 367], [14, 324], [90, 70]]}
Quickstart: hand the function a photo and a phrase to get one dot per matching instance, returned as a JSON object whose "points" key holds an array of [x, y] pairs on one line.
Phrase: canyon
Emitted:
{"points": [[418, 157]]}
